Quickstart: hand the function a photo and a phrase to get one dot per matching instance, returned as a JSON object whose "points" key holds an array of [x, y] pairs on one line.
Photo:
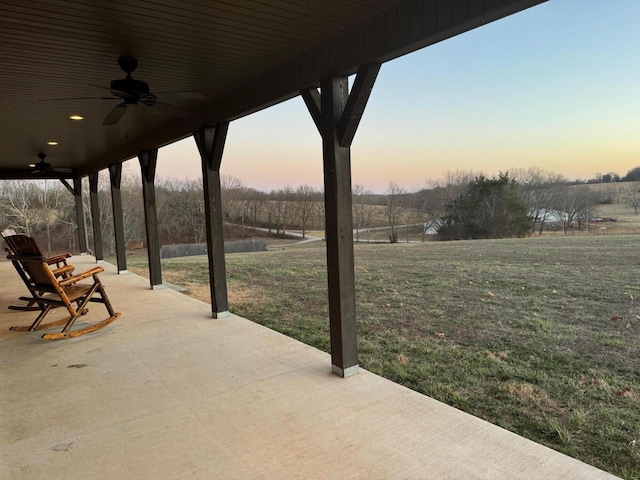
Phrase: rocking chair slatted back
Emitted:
{"points": [[21, 244], [38, 272]]}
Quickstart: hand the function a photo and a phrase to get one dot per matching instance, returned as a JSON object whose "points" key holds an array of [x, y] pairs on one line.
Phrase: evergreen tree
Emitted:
{"points": [[488, 208], [632, 175]]}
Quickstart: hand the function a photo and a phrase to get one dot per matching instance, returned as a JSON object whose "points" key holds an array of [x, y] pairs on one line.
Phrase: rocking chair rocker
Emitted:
{"points": [[50, 292]]}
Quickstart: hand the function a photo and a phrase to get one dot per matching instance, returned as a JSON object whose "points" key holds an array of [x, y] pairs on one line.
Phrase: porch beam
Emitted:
{"points": [[81, 220], [115, 176], [148, 161], [210, 142], [95, 217]]}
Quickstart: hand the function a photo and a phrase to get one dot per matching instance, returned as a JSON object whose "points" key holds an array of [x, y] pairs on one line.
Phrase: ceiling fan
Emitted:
{"points": [[130, 91], [134, 92], [44, 167]]}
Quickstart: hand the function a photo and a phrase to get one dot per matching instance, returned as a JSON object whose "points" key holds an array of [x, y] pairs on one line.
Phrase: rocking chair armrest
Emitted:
{"points": [[81, 276], [58, 258], [63, 270]]}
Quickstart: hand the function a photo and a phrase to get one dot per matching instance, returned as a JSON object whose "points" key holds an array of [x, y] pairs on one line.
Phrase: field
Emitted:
{"points": [[537, 335]]}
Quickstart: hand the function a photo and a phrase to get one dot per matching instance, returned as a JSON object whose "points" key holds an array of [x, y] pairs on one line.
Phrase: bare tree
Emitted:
{"points": [[429, 207], [633, 196], [280, 208], [54, 199], [307, 199], [538, 189], [22, 212], [572, 203], [132, 209], [363, 210], [233, 200], [42, 209], [394, 208], [183, 210], [255, 206], [106, 217], [357, 192], [455, 182]]}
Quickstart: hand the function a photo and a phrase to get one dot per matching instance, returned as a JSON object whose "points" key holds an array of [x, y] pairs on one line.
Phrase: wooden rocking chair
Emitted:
{"points": [[50, 292], [17, 246]]}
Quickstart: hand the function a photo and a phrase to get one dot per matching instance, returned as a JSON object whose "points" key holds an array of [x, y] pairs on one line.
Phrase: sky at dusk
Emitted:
{"points": [[556, 86]]}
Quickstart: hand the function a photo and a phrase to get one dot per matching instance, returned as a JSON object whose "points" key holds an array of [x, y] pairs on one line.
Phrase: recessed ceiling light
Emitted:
{"points": [[32, 165], [76, 117], [52, 143]]}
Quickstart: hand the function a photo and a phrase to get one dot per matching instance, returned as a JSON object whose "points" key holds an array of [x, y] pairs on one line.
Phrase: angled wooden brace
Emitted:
{"points": [[354, 108]]}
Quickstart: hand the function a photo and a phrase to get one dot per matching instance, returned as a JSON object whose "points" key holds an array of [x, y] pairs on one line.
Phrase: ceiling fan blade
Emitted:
{"points": [[183, 95], [115, 114], [62, 170], [77, 98], [115, 93], [101, 87], [172, 109]]}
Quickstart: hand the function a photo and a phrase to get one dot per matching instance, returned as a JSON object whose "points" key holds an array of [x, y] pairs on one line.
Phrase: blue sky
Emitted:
{"points": [[556, 86]]}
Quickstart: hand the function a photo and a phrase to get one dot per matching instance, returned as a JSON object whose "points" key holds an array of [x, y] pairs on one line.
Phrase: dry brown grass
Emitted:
{"points": [[497, 357]]}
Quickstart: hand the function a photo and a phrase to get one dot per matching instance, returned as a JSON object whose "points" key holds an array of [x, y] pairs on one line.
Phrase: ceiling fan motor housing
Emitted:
{"points": [[130, 86], [132, 91]]}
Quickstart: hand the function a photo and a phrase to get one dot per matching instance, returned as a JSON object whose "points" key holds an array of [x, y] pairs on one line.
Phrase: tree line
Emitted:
{"points": [[467, 204], [45, 209], [461, 204], [632, 175]]}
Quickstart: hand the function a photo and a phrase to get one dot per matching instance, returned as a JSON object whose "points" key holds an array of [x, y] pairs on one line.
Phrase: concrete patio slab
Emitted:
{"points": [[167, 392]]}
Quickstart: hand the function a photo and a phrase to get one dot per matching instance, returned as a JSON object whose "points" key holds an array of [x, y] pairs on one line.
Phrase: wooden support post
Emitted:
{"points": [[115, 175], [80, 217], [148, 160], [95, 217], [337, 115], [339, 230], [210, 142]]}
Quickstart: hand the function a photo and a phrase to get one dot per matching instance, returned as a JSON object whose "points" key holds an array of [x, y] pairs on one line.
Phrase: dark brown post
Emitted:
{"points": [[115, 174], [80, 217], [95, 217], [337, 114], [339, 230], [210, 142], [148, 160]]}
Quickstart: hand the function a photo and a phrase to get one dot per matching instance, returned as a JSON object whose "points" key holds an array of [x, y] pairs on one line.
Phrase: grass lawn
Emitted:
{"points": [[539, 335]]}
